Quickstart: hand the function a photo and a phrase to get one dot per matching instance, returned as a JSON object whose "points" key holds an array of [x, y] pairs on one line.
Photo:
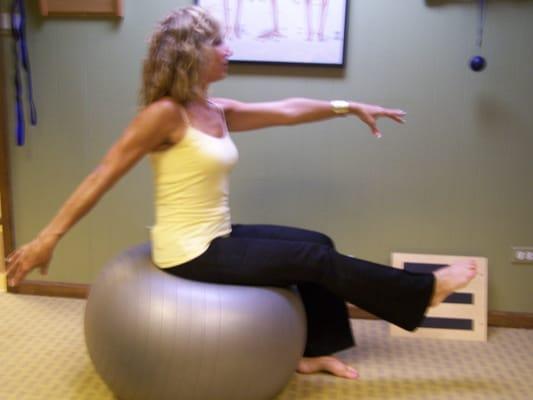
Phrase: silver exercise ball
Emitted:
{"points": [[152, 335]]}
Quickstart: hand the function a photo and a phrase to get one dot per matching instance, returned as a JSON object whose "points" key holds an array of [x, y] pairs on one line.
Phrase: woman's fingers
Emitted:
{"points": [[44, 269], [397, 119], [396, 115], [12, 260], [15, 274], [22, 272], [396, 111], [19, 273], [369, 114], [18, 266], [36, 254], [370, 120]]}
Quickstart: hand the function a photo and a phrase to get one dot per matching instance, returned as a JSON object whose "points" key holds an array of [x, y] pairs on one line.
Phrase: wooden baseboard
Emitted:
{"points": [[81, 291], [53, 289], [504, 319], [510, 319]]}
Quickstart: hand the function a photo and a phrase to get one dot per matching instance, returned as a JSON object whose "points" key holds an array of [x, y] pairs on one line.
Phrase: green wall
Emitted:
{"points": [[456, 179]]}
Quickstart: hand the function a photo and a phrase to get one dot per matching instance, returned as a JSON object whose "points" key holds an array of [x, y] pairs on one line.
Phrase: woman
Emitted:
{"points": [[185, 134]]}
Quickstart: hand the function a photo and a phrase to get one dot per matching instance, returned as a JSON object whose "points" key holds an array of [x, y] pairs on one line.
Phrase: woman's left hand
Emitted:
{"points": [[35, 254], [370, 113]]}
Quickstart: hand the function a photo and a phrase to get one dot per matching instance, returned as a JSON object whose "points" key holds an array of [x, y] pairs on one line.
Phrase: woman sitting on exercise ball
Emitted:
{"points": [[186, 135]]}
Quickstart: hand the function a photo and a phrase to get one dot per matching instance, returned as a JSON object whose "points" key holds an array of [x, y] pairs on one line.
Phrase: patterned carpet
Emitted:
{"points": [[43, 357]]}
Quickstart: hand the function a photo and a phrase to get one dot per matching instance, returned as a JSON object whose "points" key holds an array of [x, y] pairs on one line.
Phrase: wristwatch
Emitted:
{"points": [[340, 106]]}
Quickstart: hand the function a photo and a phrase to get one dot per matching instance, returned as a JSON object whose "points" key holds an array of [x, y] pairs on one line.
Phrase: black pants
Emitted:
{"points": [[267, 255]]}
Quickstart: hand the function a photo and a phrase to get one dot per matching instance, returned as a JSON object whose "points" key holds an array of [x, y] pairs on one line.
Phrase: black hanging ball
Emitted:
{"points": [[478, 63]]}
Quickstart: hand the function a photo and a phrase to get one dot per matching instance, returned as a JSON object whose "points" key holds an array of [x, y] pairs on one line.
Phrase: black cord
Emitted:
{"points": [[481, 26]]}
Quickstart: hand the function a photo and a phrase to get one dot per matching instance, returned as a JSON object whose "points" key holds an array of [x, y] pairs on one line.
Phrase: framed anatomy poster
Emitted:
{"points": [[282, 31]]}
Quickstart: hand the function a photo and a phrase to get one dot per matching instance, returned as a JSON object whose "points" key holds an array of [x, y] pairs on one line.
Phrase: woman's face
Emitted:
{"points": [[216, 67]]}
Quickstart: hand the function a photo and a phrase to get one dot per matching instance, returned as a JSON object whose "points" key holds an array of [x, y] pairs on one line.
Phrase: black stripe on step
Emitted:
{"points": [[420, 267], [448, 323]]}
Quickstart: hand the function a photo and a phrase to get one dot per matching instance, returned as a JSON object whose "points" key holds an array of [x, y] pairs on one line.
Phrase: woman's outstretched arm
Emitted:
{"points": [[242, 116], [158, 123]]}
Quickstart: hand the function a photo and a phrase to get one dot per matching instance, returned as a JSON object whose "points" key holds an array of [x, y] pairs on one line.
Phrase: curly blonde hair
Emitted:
{"points": [[176, 55]]}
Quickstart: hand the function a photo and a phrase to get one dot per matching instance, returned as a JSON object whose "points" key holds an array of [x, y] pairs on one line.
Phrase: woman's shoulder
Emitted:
{"points": [[165, 112], [166, 106], [167, 117], [224, 103]]}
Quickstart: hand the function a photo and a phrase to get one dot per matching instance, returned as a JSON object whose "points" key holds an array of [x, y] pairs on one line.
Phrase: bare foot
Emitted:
{"points": [[451, 278], [272, 34], [311, 365]]}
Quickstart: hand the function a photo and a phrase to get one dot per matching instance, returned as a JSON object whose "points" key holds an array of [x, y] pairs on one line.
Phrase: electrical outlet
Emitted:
{"points": [[522, 255]]}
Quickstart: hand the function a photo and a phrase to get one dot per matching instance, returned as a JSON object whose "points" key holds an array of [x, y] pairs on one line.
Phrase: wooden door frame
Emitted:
{"points": [[6, 219]]}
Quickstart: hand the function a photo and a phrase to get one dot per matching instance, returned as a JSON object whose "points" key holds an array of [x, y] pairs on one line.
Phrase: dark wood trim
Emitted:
{"points": [[6, 219], [82, 8], [511, 319], [504, 319], [53, 289], [81, 291]]}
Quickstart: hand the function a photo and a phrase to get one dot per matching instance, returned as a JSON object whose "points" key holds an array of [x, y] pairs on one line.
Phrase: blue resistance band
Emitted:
{"points": [[20, 53]]}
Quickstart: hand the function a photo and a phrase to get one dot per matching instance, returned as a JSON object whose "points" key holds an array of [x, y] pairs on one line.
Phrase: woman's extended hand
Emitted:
{"points": [[35, 254], [370, 113]]}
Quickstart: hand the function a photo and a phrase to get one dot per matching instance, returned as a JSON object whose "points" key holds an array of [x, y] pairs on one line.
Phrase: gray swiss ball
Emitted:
{"points": [[152, 335]]}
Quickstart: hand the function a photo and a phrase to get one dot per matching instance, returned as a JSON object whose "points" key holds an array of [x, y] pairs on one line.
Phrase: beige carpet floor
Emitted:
{"points": [[43, 357]]}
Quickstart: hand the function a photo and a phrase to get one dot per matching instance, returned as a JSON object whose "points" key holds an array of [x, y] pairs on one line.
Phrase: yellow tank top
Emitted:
{"points": [[191, 196]]}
